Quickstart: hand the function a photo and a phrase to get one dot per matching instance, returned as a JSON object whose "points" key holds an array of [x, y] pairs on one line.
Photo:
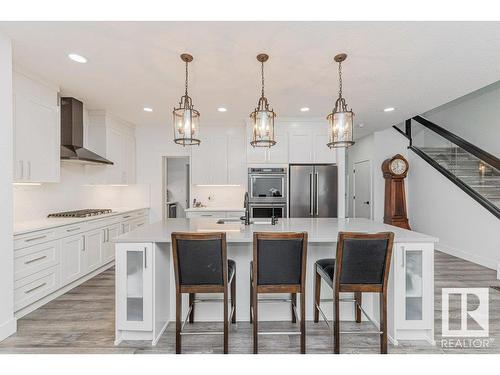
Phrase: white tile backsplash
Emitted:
{"points": [[72, 193], [219, 196]]}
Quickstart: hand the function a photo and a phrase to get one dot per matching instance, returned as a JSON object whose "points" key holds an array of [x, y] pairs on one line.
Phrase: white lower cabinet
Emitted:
{"points": [[413, 290], [72, 258], [48, 260], [134, 290], [93, 250]]}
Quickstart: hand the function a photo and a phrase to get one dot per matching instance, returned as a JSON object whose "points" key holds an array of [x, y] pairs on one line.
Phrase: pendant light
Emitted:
{"points": [[186, 118], [340, 121], [263, 117]]}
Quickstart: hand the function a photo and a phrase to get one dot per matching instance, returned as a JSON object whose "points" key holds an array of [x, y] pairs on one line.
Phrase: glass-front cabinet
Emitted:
{"points": [[413, 284], [134, 290]]}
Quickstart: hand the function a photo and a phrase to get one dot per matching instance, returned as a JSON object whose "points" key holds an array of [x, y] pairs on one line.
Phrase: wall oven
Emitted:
{"points": [[265, 210], [266, 185]]}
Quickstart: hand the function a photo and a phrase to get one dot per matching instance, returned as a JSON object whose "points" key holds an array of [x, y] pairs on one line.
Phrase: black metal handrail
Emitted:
{"points": [[467, 146], [462, 143]]}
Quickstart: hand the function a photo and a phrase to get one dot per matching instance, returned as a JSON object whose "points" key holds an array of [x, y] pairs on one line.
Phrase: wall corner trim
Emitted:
{"points": [[8, 328]]}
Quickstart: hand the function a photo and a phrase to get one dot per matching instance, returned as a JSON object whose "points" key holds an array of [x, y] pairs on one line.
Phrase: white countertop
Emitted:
{"points": [[319, 229], [214, 209], [21, 227]]}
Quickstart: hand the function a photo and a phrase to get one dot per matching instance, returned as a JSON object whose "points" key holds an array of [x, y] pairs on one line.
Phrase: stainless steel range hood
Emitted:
{"points": [[72, 134]]}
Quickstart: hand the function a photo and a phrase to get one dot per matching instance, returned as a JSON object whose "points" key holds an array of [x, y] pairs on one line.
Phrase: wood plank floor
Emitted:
{"points": [[82, 321]]}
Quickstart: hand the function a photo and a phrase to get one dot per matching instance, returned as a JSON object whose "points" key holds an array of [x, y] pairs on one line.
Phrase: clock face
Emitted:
{"points": [[398, 166]]}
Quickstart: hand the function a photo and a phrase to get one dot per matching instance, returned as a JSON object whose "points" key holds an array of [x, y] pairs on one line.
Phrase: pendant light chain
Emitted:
{"points": [[262, 76], [186, 78], [340, 79]]}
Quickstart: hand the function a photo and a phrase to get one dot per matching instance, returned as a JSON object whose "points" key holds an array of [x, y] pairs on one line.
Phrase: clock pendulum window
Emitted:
{"points": [[395, 170]]}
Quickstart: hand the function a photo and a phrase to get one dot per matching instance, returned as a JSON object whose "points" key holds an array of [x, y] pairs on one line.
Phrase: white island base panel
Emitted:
{"points": [[145, 287]]}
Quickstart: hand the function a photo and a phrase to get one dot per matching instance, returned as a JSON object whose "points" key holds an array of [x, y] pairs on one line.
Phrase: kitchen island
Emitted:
{"points": [[145, 286]]}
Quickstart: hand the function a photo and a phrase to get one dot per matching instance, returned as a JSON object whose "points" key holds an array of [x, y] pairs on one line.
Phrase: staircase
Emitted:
{"points": [[474, 170]]}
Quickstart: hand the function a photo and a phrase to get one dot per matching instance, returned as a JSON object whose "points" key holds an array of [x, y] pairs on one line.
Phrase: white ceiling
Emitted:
{"points": [[413, 66]]}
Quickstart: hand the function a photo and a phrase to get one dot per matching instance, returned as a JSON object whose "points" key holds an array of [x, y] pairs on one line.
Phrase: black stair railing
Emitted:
{"points": [[462, 147]]}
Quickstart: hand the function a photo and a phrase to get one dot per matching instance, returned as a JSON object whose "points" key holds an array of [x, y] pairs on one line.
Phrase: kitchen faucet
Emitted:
{"points": [[246, 206]]}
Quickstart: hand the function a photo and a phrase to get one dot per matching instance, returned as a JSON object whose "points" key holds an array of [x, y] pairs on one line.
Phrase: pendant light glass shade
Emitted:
{"points": [[340, 121], [185, 117], [262, 117]]}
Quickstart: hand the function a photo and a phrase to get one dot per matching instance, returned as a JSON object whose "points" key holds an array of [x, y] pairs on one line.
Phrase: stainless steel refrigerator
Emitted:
{"points": [[313, 190]]}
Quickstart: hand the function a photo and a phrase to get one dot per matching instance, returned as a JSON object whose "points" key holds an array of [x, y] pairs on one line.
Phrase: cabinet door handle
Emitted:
{"points": [[403, 256], [145, 257], [207, 215], [29, 170], [35, 238], [35, 288], [104, 240], [126, 217], [35, 259], [72, 229], [83, 243]]}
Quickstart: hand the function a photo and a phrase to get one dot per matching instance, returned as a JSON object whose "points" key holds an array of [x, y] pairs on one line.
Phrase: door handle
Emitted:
{"points": [[317, 193], [311, 195], [145, 257], [403, 256], [367, 202], [83, 243]]}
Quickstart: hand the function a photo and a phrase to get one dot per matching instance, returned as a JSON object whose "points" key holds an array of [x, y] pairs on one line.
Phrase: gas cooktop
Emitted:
{"points": [[82, 213]]}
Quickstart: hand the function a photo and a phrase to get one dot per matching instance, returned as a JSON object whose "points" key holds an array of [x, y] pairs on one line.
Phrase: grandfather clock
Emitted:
{"points": [[395, 170]]}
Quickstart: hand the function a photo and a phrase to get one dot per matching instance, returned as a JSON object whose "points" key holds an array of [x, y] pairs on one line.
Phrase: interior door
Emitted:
{"points": [[362, 190], [301, 193], [326, 185]]}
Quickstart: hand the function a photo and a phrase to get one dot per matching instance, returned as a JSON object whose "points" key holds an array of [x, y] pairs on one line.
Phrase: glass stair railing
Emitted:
{"points": [[472, 169]]}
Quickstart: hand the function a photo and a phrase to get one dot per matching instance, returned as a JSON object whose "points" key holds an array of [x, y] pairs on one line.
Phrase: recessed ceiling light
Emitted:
{"points": [[361, 125], [389, 109], [222, 109], [78, 58], [304, 109], [147, 109]]}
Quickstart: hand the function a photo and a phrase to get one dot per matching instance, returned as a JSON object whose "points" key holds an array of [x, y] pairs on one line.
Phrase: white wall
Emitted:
{"points": [[7, 321], [439, 208], [474, 117]]}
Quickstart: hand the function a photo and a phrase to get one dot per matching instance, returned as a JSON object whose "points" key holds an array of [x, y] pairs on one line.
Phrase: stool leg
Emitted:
{"points": [[383, 323], [357, 304], [251, 297], [317, 294], [336, 325], [226, 322], [178, 313], [302, 322], [191, 303], [294, 303], [255, 321], [233, 298]]}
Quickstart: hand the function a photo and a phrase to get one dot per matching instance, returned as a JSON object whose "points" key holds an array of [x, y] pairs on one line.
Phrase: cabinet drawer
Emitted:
{"points": [[214, 214], [33, 238], [35, 287], [36, 258]]}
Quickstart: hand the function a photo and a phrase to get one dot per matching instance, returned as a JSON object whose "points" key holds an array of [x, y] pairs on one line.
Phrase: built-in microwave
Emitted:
{"points": [[267, 184], [266, 210]]}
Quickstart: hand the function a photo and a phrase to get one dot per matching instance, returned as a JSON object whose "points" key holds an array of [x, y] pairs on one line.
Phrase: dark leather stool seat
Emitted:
{"points": [[326, 267]]}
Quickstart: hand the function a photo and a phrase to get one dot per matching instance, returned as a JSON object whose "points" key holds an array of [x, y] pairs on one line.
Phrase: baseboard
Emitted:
{"points": [[59, 292], [482, 261], [8, 328]]}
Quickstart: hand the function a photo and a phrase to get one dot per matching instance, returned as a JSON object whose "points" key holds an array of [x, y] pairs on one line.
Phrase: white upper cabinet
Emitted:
{"points": [[277, 154], [301, 147], [321, 152], [113, 138], [219, 160], [36, 131], [307, 144]]}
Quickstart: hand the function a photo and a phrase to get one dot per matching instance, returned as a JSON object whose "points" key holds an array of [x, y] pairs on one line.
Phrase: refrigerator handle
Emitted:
{"points": [[317, 193], [311, 195]]}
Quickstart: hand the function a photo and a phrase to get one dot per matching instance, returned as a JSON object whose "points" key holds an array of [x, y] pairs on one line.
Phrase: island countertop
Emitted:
{"points": [[320, 230]]}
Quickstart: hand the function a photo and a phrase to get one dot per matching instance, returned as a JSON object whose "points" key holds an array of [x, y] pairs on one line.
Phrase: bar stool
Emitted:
{"points": [[201, 266], [278, 266], [361, 265]]}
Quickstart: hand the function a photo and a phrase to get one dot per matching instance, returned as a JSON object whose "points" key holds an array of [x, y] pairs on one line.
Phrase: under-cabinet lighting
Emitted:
{"points": [[215, 185], [77, 58], [26, 183]]}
